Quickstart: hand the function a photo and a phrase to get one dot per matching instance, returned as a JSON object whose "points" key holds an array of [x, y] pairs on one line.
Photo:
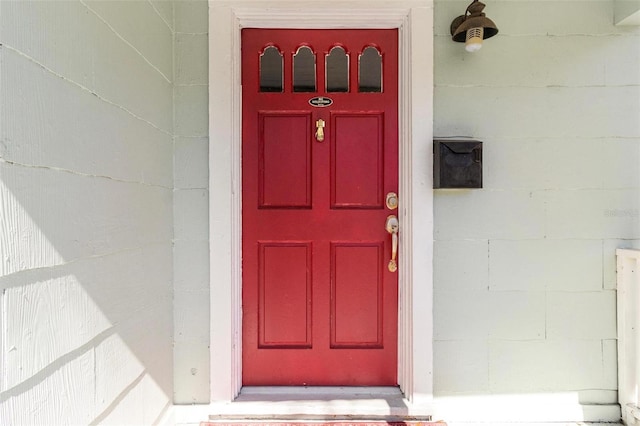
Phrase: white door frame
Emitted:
{"points": [[414, 21]]}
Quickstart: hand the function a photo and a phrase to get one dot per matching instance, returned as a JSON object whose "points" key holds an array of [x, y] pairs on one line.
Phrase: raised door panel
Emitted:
{"points": [[356, 295], [285, 160], [357, 160], [285, 295]]}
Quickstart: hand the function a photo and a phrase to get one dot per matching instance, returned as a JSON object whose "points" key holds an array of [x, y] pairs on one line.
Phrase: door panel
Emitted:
{"points": [[319, 303], [356, 295], [285, 295], [285, 160], [357, 160]]}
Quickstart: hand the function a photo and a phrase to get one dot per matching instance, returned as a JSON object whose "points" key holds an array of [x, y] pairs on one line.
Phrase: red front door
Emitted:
{"points": [[319, 157]]}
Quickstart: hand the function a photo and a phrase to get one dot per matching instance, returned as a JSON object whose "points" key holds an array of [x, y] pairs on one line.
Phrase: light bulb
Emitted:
{"points": [[473, 40]]}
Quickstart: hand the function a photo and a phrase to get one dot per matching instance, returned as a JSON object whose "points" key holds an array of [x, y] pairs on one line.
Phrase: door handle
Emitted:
{"points": [[392, 226], [320, 130]]}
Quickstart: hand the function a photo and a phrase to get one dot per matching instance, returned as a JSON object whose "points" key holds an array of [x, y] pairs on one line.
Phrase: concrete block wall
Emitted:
{"points": [[191, 204], [524, 269], [86, 218]]}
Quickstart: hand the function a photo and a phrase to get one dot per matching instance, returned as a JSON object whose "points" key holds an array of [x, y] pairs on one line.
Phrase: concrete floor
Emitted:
{"points": [[318, 403], [291, 404]]}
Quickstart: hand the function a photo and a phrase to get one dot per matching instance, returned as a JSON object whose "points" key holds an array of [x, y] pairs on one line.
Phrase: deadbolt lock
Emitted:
{"points": [[392, 201]]}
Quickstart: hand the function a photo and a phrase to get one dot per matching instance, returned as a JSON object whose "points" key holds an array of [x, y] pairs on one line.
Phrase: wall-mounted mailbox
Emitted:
{"points": [[457, 163]]}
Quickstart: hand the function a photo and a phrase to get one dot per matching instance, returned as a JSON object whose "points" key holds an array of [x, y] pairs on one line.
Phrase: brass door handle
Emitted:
{"points": [[320, 130], [392, 225]]}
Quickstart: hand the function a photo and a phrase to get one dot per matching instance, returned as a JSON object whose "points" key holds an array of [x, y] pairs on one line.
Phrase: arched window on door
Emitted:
{"points": [[370, 71], [304, 70], [271, 75], [337, 69]]}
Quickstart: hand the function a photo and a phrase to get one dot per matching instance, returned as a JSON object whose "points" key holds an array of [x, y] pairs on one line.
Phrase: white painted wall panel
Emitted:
{"points": [[541, 265], [593, 214], [191, 219], [86, 217], [189, 258], [587, 65], [142, 405], [565, 112], [147, 335], [461, 265], [59, 216], [128, 80], [461, 315], [555, 97], [191, 307], [545, 366], [495, 214], [620, 159], [192, 17], [113, 356], [100, 139], [581, 315], [490, 315], [46, 320], [544, 163], [102, 61], [57, 35], [152, 41], [64, 397], [192, 58], [592, 61], [190, 164], [463, 366], [610, 369], [191, 371], [191, 197], [165, 8], [192, 110], [517, 315]]}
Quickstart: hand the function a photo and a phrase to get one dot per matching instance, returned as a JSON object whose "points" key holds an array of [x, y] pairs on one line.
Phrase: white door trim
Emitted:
{"points": [[414, 21]]}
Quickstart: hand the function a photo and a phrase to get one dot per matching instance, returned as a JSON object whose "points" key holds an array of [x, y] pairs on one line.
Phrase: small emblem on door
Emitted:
{"points": [[320, 101]]}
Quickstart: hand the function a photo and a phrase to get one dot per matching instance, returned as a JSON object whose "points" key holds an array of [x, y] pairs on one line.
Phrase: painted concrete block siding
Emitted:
{"points": [[524, 269], [191, 204], [86, 218], [116, 71], [545, 265], [599, 163]]}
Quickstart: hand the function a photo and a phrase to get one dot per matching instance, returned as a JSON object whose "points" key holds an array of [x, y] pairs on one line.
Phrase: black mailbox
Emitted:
{"points": [[457, 163]]}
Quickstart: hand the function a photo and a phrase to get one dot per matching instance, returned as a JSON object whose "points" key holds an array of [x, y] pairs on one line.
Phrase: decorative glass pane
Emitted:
{"points": [[370, 70], [271, 70], [304, 70], [337, 63]]}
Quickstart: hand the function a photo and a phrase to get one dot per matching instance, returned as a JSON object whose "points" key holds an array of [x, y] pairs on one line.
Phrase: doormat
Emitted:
{"points": [[327, 423]]}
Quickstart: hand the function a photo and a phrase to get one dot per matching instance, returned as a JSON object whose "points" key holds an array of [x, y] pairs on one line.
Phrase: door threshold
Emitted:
{"points": [[318, 403]]}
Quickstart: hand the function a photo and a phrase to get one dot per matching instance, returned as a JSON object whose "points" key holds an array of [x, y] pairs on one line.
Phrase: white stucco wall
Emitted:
{"points": [[524, 270], [86, 224], [191, 200]]}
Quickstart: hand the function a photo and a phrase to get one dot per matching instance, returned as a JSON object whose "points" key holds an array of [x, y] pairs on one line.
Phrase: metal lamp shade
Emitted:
{"points": [[465, 24], [473, 18]]}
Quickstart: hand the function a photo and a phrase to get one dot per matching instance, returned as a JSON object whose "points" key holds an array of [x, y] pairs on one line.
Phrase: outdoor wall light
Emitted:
{"points": [[473, 27]]}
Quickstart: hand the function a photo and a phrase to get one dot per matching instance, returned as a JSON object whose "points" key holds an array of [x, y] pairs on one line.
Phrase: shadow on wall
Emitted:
{"points": [[86, 221], [86, 299]]}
